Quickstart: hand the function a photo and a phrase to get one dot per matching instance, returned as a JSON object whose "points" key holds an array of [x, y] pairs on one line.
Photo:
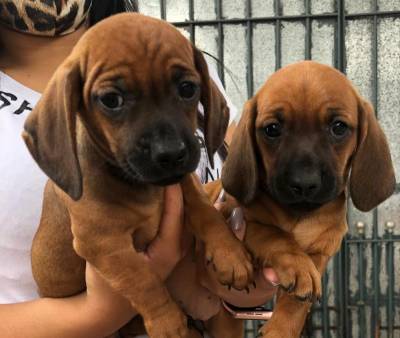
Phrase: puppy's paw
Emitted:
{"points": [[298, 276], [231, 262], [170, 324]]}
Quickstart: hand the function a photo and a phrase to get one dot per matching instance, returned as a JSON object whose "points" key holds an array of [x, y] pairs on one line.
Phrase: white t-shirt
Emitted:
{"points": [[204, 170], [21, 189]]}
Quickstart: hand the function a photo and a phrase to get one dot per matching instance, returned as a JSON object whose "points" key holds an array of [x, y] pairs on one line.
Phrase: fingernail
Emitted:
{"points": [[237, 219], [271, 276], [221, 196]]}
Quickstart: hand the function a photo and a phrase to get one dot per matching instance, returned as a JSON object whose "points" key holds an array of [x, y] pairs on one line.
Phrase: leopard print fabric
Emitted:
{"points": [[44, 17]]}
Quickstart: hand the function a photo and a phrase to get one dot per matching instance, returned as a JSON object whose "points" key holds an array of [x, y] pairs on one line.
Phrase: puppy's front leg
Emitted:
{"points": [[228, 255], [289, 313], [113, 255], [274, 247]]}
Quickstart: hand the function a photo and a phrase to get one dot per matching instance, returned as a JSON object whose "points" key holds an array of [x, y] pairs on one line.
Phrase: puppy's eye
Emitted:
{"points": [[111, 100], [339, 129], [273, 130], [187, 90]]}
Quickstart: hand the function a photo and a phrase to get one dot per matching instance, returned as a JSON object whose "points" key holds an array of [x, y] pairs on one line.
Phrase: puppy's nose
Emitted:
{"points": [[305, 184], [169, 155]]}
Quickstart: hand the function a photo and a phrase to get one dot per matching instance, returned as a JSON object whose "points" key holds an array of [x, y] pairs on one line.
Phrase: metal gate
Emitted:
{"points": [[253, 38]]}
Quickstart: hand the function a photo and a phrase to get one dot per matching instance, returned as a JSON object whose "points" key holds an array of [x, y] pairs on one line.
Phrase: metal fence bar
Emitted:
{"points": [[221, 73], [339, 267], [163, 9], [372, 240], [375, 59], [375, 13], [308, 30], [273, 19], [191, 26], [266, 19], [325, 309], [278, 35], [342, 260], [390, 308], [361, 280], [346, 314], [376, 318], [341, 50], [249, 44]]}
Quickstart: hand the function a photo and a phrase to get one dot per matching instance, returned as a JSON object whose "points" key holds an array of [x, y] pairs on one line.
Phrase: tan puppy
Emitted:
{"points": [[302, 138], [115, 124]]}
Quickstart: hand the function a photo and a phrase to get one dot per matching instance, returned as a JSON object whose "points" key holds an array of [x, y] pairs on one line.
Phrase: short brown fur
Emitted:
{"points": [[91, 215], [298, 245]]}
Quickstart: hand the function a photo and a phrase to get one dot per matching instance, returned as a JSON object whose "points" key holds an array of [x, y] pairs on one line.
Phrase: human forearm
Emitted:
{"points": [[100, 311], [76, 317]]}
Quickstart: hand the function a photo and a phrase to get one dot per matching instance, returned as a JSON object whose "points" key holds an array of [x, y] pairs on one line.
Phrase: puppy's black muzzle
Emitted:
{"points": [[164, 154], [304, 182], [169, 155]]}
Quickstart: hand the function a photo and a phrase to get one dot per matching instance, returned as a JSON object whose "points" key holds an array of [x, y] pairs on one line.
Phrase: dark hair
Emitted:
{"points": [[102, 9]]}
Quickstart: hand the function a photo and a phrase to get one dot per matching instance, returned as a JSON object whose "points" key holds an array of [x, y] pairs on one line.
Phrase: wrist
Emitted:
{"points": [[106, 313]]}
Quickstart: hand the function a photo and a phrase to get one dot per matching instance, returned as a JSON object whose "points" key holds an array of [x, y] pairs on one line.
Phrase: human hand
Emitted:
{"points": [[172, 240], [266, 280]]}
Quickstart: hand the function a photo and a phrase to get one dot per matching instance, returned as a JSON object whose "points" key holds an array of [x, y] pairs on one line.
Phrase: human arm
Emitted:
{"points": [[89, 314], [99, 311]]}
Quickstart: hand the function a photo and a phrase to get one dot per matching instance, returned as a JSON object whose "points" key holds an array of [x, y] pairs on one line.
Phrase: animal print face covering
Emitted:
{"points": [[44, 17]]}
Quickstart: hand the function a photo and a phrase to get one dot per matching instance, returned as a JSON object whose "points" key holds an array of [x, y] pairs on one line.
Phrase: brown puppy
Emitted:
{"points": [[114, 125], [301, 138]]}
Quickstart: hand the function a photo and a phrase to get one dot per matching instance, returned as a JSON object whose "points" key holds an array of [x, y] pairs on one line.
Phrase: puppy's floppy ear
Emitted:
{"points": [[372, 178], [240, 171], [50, 129], [216, 111]]}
